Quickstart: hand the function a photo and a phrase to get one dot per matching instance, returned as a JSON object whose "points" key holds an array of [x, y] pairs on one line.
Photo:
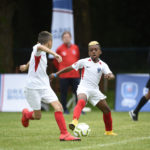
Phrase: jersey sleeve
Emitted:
{"points": [[106, 69], [78, 65], [36, 52]]}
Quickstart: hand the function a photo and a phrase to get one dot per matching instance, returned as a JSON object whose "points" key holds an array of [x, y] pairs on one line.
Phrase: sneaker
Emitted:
{"points": [[24, 120], [73, 124], [133, 116], [110, 133], [83, 113], [68, 137], [66, 112]]}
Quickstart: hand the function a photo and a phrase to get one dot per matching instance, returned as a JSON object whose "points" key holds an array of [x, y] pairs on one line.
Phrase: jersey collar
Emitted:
{"points": [[67, 46], [99, 61]]}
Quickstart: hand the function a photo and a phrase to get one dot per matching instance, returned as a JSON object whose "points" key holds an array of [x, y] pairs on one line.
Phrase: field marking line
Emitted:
{"points": [[110, 144]]}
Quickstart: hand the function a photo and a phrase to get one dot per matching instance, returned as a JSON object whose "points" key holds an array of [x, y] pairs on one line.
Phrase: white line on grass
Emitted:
{"points": [[110, 144]]}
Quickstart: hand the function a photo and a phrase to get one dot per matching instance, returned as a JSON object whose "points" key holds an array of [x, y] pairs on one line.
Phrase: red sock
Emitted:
{"points": [[78, 108], [61, 122], [108, 121], [29, 115]]}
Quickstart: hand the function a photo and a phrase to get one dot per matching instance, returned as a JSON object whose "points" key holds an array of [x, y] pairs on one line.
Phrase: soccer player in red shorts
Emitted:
{"points": [[38, 88], [88, 89]]}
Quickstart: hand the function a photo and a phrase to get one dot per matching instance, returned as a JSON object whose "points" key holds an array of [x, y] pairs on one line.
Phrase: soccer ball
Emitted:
{"points": [[82, 129]]}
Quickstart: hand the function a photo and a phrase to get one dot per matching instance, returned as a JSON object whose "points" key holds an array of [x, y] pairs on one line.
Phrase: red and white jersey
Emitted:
{"points": [[91, 72], [37, 76], [69, 56]]}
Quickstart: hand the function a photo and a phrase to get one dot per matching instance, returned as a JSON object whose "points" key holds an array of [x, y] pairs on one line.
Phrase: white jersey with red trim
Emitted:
{"points": [[37, 76], [91, 72]]}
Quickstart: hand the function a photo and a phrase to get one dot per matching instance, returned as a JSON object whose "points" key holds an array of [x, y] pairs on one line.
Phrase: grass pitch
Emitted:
{"points": [[44, 134]]}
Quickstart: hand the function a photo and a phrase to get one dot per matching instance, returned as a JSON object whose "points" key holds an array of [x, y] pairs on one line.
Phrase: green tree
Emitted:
{"points": [[7, 8], [82, 24]]}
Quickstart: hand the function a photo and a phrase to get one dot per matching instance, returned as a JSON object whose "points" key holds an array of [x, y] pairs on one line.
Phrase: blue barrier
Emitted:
{"points": [[129, 90]]}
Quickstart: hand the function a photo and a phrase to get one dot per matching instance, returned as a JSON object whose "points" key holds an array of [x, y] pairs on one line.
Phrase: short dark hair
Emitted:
{"points": [[44, 37], [66, 32]]}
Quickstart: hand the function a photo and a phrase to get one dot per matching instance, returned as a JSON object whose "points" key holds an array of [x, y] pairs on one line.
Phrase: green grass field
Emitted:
{"points": [[44, 134]]}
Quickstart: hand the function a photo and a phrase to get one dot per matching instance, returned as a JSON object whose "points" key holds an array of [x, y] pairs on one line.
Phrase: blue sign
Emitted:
{"points": [[129, 90]]}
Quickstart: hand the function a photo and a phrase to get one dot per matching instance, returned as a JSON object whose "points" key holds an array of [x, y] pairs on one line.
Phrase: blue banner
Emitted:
{"points": [[62, 4], [62, 20], [129, 90]]}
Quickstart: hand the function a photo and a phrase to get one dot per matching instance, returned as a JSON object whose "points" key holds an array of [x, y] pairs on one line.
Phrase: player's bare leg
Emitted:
{"points": [[103, 106], [64, 134], [77, 110]]}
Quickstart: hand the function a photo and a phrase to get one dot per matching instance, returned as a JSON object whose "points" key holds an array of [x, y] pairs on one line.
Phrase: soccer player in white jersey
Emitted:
{"points": [[88, 89], [38, 87]]}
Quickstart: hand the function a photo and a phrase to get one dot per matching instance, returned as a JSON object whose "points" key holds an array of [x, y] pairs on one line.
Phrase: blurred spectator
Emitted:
{"points": [[134, 113], [70, 54]]}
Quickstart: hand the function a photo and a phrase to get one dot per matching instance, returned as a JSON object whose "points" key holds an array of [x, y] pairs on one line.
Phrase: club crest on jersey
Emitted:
{"points": [[64, 53], [73, 52], [98, 70]]}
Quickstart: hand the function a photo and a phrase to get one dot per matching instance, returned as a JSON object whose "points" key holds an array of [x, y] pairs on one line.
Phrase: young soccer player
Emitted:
{"points": [[88, 89], [144, 99], [38, 87]]}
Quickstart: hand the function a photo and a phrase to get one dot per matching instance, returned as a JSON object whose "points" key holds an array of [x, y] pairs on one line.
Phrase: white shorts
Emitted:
{"points": [[93, 95], [35, 96]]}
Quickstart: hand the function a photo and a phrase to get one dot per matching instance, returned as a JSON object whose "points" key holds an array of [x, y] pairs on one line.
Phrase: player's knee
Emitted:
{"points": [[58, 108]]}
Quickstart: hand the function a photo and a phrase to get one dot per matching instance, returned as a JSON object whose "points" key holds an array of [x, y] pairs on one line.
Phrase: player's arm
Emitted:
{"points": [[107, 72], [49, 51], [24, 67], [109, 76], [67, 69]]}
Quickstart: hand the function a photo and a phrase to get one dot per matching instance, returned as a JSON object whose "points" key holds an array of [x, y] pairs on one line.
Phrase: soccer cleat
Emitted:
{"points": [[24, 120], [133, 116], [73, 124], [68, 137], [110, 133]]}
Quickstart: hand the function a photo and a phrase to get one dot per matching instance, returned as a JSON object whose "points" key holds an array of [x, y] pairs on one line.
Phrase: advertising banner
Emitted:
{"points": [[62, 20], [12, 93], [129, 90], [1, 90]]}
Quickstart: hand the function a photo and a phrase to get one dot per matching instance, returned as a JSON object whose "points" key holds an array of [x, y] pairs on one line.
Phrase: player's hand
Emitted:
{"points": [[58, 57], [23, 68], [109, 76], [52, 76]]}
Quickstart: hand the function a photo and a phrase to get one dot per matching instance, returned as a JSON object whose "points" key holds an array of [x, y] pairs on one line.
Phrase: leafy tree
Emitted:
{"points": [[7, 8]]}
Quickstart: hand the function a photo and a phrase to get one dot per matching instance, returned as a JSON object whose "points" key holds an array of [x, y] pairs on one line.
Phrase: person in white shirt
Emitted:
{"points": [[88, 89], [38, 87]]}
